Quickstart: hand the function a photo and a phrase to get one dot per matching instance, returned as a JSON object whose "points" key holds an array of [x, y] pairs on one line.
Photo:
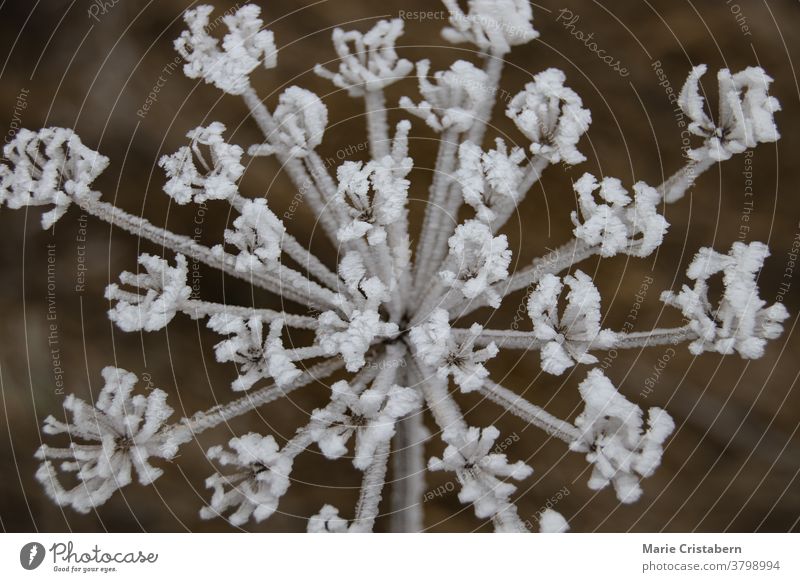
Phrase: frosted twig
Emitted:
{"points": [[529, 412]]}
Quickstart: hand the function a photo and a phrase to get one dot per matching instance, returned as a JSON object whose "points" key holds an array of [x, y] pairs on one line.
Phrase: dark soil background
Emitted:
{"points": [[732, 463]]}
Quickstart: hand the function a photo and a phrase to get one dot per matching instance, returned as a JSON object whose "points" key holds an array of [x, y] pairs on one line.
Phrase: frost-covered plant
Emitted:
{"points": [[385, 320]]}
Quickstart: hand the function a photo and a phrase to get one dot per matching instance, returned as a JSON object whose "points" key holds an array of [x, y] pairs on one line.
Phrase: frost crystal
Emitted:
{"points": [[373, 196], [492, 25], [482, 474], [261, 479], [161, 291], [256, 356], [618, 224], [327, 521], [108, 442], [453, 100], [569, 337], [551, 116], [477, 260], [371, 415], [741, 322], [258, 234], [353, 338], [490, 180], [50, 166], [745, 116], [552, 522], [300, 119], [372, 63], [218, 182], [244, 48], [613, 437], [388, 327], [437, 348]]}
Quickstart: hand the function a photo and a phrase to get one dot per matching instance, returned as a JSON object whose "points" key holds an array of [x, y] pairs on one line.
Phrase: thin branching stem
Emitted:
{"points": [[294, 167], [377, 124], [275, 281], [220, 414], [371, 491], [530, 413], [408, 470]]}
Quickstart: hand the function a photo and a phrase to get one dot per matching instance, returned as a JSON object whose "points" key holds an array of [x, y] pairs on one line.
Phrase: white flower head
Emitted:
{"points": [[454, 98], [354, 337], [48, 167], [257, 357], [489, 180], [257, 234], [108, 442], [477, 260], [493, 26], [373, 195], [745, 117], [217, 176], [300, 121], [569, 337], [261, 479], [244, 48], [741, 322], [372, 62], [614, 439], [616, 222], [160, 293], [327, 521], [437, 348], [551, 116], [370, 415], [483, 475]]}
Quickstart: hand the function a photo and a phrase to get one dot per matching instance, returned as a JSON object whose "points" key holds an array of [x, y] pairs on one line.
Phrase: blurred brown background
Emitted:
{"points": [[733, 461]]}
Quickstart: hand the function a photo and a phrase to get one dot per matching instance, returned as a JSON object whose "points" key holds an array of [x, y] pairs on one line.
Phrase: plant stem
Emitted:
{"points": [[371, 491], [408, 469], [529, 412], [377, 124]]}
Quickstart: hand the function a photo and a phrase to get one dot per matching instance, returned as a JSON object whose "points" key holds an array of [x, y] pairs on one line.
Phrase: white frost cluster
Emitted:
{"points": [[352, 338], [371, 415], [260, 480], [490, 181], [257, 234], [613, 438], [327, 521], [745, 116], [372, 63], [244, 48], [616, 223], [477, 260], [216, 181], [741, 322], [300, 120], [437, 348], [49, 166], [108, 442], [257, 357], [159, 294], [373, 195], [494, 26], [551, 116], [550, 521], [453, 100], [569, 337], [483, 475]]}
